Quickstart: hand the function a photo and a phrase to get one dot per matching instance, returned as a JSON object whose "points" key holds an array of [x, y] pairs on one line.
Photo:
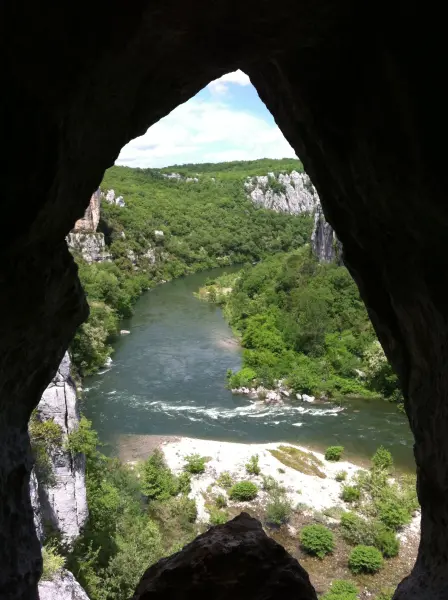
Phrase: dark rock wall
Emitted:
{"points": [[358, 91]]}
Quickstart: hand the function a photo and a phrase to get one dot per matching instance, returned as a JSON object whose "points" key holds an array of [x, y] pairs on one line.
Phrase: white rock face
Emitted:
{"points": [[158, 233], [293, 193], [324, 242], [63, 587], [91, 246], [109, 196], [34, 496], [63, 503]]}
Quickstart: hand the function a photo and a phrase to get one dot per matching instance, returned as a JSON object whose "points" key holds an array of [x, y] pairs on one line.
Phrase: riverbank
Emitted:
{"points": [[310, 485]]}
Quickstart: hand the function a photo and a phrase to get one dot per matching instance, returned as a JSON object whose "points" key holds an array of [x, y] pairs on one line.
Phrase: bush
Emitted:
{"points": [[317, 540], [382, 459], [341, 476], [53, 562], [393, 514], [252, 467], [243, 491], [225, 480], [341, 590], [218, 517], [184, 483], [385, 594], [158, 482], [387, 543], [350, 493], [365, 559], [221, 501], [195, 464], [334, 453], [356, 530], [278, 510]]}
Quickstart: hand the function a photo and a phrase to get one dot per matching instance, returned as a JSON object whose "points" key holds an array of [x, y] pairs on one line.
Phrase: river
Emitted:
{"points": [[168, 378]]}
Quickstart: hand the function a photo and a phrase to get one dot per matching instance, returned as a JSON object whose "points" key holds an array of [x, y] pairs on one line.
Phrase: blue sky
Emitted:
{"points": [[225, 121]]}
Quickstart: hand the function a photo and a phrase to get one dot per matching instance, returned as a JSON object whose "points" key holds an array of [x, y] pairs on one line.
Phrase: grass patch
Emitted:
{"points": [[305, 462]]}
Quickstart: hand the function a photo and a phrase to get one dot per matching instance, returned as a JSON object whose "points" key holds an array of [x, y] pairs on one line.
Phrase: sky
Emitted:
{"points": [[225, 121]]}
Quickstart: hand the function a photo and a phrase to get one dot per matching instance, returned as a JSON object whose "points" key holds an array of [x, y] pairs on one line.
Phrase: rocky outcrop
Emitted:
{"points": [[91, 218], [236, 560], [60, 503], [91, 246], [326, 247], [62, 587], [292, 193], [110, 198]]}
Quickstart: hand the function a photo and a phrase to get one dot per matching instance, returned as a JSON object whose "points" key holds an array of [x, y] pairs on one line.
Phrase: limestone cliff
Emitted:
{"points": [[91, 246], [295, 194], [91, 217], [60, 503], [63, 587]]}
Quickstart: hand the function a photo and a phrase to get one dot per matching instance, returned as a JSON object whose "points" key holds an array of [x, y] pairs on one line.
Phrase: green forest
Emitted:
{"points": [[203, 224], [303, 322]]}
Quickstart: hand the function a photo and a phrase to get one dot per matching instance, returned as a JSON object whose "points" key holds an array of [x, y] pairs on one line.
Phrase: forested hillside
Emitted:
{"points": [[172, 226], [304, 322]]}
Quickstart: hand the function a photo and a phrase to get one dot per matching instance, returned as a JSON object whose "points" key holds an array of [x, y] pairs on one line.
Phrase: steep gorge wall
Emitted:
{"points": [[84, 238], [294, 193]]}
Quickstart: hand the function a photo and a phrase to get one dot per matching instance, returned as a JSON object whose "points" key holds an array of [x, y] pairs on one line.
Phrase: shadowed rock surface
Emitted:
{"points": [[236, 560], [358, 92]]}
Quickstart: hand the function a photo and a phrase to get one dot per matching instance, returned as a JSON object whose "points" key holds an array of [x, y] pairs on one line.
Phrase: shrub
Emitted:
{"points": [[350, 493], [243, 491], [52, 562], [221, 501], [365, 559], [387, 543], [281, 471], [382, 459], [317, 540], [225, 480], [393, 514], [302, 506], [278, 510], [341, 476], [158, 482], [356, 530], [334, 453], [195, 464], [271, 485], [252, 467], [184, 483], [341, 590], [218, 517]]}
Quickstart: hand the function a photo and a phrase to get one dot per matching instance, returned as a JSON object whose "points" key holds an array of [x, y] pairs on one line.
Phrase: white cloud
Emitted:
{"points": [[206, 131], [220, 86]]}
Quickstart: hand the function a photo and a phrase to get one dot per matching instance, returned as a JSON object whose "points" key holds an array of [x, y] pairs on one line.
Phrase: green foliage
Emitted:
{"points": [[195, 464], [158, 482], [365, 559], [53, 562], [253, 467], [317, 540], [341, 476], [270, 484], [385, 594], [218, 517], [393, 514], [334, 453], [387, 543], [243, 491], [382, 459], [45, 438], [278, 510], [184, 483], [84, 439], [220, 501], [303, 322], [341, 590], [350, 493], [225, 480]]}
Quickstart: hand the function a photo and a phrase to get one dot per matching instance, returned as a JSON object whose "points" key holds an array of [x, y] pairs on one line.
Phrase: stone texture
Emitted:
{"points": [[91, 246], [236, 560], [91, 218], [63, 587], [292, 193], [324, 242], [63, 502], [35, 503], [361, 103]]}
